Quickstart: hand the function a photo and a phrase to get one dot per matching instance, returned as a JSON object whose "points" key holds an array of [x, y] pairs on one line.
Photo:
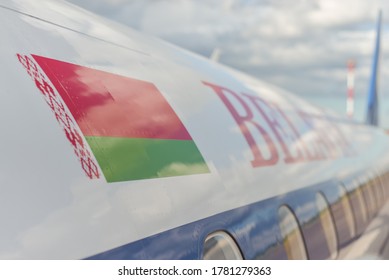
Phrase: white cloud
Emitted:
{"points": [[333, 13], [302, 46]]}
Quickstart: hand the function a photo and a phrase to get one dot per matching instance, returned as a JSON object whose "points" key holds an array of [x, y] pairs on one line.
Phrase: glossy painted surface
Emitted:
{"points": [[125, 159], [131, 129], [256, 229], [104, 104], [261, 145]]}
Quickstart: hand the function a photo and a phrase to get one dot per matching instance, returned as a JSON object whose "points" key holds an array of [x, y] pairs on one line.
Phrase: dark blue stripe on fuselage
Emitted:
{"points": [[254, 227]]}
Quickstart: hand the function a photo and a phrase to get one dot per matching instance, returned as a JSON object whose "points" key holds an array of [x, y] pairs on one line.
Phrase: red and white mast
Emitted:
{"points": [[350, 88]]}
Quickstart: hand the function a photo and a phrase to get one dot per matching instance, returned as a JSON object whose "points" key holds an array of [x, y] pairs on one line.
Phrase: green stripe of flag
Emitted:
{"points": [[123, 159]]}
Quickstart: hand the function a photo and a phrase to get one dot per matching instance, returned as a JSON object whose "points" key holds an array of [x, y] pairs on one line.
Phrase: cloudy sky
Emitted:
{"points": [[301, 45]]}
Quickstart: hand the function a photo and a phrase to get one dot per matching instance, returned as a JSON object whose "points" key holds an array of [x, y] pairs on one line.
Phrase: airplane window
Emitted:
{"points": [[291, 234], [327, 223], [221, 246], [373, 188], [383, 188], [384, 184], [361, 202], [380, 183], [345, 202], [378, 191], [370, 201]]}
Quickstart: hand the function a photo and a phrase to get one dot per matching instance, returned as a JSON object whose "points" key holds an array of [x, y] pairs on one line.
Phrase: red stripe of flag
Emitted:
{"points": [[105, 104]]}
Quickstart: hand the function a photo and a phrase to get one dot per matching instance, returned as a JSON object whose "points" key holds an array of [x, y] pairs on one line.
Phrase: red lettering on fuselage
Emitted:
{"points": [[272, 135], [274, 120], [243, 120]]}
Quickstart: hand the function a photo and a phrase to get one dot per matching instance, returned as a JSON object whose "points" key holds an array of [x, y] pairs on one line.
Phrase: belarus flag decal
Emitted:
{"points": [[131, 129]]}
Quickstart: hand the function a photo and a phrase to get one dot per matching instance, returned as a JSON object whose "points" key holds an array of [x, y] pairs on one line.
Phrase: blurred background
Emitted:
{"points": [[303, 46]]}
